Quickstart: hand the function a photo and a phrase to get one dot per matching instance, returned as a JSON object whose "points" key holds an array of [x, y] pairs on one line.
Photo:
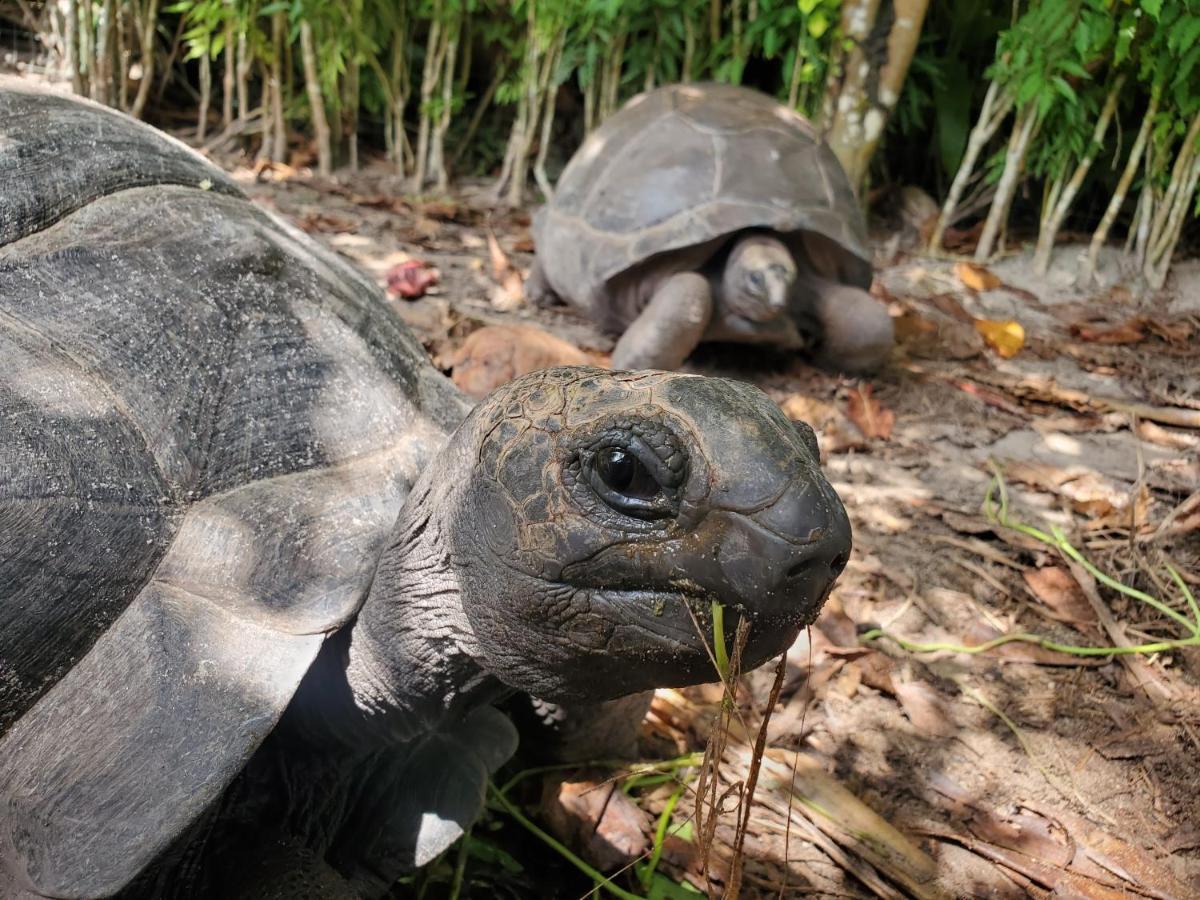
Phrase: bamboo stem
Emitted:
{"points": [[1061, 203], [316, 102], [279, 142], [243, 75], [996, 106], [551, 95], [205, 97], [440, 175], [71, 30], [429, 73], [1006, 188], [1118, 198], [228, 77], [146, 36]]}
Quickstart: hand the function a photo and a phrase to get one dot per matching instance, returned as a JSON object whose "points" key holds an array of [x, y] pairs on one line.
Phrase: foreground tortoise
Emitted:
{"points": [[711, 213], [265, 573]]}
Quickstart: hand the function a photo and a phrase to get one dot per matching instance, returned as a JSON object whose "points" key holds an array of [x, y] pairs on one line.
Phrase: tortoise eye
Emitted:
{"points": [[624, 473], [626, 484], [757, 281]]}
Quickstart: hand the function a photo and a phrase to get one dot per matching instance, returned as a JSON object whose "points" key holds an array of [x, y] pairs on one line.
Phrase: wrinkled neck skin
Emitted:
{"points": [[408, 662]]}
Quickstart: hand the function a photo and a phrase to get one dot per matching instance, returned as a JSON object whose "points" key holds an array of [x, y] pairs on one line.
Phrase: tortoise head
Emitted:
{"points": [[758, 278], [603, 514]]}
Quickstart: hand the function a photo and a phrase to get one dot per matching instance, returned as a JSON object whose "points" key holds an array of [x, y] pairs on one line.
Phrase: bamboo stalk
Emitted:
{"points": [[87, 49], [103, 89], [353, 87], [1182, 162], [440, 174], [1167, 225], [1060, 204], [550, 96], [1006, 188], [243, 75], [266, 150], [996, 106], [1118, 198], [146, 36], [316, 102], [122, 71], [689, 49], [205, 97], [71, 30], [228, 77], [279, 142], [477, 116], [430, 71]]}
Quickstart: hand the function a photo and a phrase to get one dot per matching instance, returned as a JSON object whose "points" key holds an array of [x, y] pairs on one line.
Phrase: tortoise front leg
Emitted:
{"points": [[856, 332], [670, 326], [537, 288]]}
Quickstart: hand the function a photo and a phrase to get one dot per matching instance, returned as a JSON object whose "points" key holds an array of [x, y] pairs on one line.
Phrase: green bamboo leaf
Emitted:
{"points": [[1061, 85], [818, 24], [1153, 8]]}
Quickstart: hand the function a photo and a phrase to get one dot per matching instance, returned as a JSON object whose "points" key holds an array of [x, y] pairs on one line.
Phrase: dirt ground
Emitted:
{"points": [[1018, 771]]}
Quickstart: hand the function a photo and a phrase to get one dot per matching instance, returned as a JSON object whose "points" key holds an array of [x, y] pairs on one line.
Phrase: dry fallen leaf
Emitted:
{"points": [[330, 223], [976, 277], [1064, 599], [511, 286], [1129, 332], [496, 354], [411, 279], [872, 419], [1005, 337]]}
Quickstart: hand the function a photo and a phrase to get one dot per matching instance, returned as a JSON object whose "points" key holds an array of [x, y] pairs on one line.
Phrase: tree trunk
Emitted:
{"points": [[205, 96], [872, 86], [1100, 235], [316, 102], [146, 40], [996, 106], [1061, 204]]}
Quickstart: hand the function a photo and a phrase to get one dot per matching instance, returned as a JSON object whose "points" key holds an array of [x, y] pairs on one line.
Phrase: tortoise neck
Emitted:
{"points": [[406, 663]]}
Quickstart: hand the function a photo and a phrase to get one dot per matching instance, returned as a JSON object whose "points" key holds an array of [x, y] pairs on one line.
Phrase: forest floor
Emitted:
{"points": [[1016, 771]]}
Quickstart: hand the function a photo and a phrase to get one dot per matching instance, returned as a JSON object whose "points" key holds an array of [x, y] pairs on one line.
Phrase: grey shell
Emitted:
{"points": [[208, 424], [685, 165]]}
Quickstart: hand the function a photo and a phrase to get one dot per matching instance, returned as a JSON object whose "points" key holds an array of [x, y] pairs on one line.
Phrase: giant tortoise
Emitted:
{"points": [[708, 212], [264, 573]]}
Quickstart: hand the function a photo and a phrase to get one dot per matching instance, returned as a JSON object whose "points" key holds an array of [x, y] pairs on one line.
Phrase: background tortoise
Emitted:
{"points": [[707, 212], [262, 570]]}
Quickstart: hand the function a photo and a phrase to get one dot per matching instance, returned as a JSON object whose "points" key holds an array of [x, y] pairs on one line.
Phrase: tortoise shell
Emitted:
{"points": [[679, 169], [208, 423]]}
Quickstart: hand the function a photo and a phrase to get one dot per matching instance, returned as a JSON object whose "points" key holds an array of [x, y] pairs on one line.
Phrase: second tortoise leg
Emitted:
{"points": [[670, 326]]}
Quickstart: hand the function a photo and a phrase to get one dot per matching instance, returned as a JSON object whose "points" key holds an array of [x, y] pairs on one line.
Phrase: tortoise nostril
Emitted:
{"points": [[839, 563], [836, 565]]}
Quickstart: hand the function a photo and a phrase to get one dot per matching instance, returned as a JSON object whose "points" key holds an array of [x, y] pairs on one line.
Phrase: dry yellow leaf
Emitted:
{"points": [[1005, 337], [976, 277]]}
